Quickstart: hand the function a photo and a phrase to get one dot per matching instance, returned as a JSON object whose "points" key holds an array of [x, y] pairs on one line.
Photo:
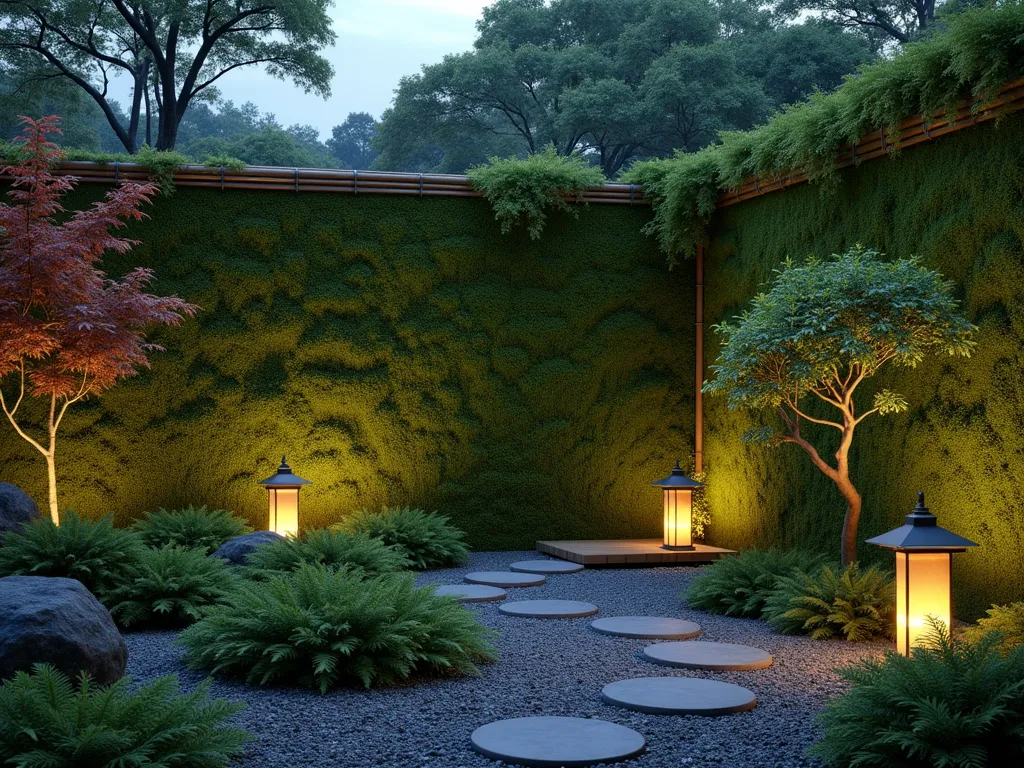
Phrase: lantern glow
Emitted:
{"points": [[924, 567], [677, 491], [283, 492]]}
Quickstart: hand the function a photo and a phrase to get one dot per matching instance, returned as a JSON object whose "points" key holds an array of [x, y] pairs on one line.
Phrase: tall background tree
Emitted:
{"points": [[67, 331], [171, 52], [824, 327], [616, 80], [351, 143]]}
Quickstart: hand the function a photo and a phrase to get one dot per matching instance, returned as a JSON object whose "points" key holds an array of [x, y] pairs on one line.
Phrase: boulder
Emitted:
{"points": [[237, 550], [59, 622], [16, 508]]}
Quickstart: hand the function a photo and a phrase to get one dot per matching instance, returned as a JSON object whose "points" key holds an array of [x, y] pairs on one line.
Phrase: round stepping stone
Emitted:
{"points": [[714, 656], [557, 741], [647, 627], [549, 609], [679, 696], [472, 593], [504, 579], [546, 566]]}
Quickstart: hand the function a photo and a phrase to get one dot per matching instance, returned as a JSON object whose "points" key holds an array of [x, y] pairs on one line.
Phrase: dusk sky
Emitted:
{"points": [[379, 41]]}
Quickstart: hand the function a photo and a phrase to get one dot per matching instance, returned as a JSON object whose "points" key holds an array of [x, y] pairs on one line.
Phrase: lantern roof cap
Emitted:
{"points": [[284, 478], [678, 480], [922, 531]]}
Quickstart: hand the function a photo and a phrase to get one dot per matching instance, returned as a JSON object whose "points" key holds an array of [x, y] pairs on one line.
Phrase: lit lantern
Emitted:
{"points": [[924, 568], [283, 489], [678, 492]]}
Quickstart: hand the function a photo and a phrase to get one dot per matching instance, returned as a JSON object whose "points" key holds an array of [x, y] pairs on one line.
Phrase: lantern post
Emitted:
{"points": [[924, 573]]}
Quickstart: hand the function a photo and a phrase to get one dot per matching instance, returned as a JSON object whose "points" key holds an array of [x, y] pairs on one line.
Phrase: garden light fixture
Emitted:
{"points": [[678, 492], [283, 490], [924, 564]]}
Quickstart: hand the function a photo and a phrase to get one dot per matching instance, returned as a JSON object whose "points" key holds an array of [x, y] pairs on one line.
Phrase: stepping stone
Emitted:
{"points": [[472, 593], [504, 579], [557, 741], [679, 696], [714, 656], [647, 627], [546, 566], [549, 609]]}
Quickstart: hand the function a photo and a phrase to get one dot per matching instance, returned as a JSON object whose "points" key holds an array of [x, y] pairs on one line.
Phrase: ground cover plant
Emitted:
{"points": [[189, 527], [953, 704], [322, 628], [818, 333], [854, 604], [522, 190], [427, 539], [332, 549], [741, 585], [92, 551], [1006, 620], [45, 720], [169, 587]]}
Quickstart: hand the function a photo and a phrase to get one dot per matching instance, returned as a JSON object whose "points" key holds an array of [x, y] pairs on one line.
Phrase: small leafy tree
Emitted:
{"points": [[822, 329], [66, 330]]}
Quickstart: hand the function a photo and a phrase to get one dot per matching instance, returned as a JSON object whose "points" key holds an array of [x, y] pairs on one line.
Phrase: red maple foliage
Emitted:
{"points": [[66, 330]]}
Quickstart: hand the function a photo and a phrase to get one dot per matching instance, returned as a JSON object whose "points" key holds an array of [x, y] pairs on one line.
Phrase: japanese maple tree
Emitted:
{"points": [[67, 331]]}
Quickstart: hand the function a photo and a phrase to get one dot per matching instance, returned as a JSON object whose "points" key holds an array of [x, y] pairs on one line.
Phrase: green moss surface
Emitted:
{"points": [[958, 203], [401, 351]]}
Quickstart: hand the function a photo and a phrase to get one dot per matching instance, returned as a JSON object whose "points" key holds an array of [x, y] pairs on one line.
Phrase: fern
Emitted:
{"points": [[334, 549], [854, 604], [322, 628], [950, 705], [189, 527], [94, 552], [428, 540], [46, 722], [1006, 620], [740, 585], [522, 190], [170, 587]]}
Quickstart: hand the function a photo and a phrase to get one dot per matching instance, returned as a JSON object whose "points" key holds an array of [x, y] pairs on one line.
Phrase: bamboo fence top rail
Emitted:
{"points": [[913, 131]]}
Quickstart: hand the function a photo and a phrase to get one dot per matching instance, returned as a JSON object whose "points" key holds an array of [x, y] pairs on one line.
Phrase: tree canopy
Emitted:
{"points": [[613, 80], [172, 52], [821, 329]]}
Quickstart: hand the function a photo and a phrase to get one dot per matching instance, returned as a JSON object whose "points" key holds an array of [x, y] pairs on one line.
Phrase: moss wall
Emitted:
{"points": [[958, 203], [401, 351]]}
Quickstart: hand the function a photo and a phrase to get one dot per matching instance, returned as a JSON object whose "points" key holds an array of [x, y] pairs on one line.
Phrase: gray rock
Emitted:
{"points": [[59, 622], [238, 549], [16, 508]]}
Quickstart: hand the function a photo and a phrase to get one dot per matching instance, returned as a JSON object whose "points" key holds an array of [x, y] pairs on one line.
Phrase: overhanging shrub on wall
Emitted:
{"points": [[402, 351]]}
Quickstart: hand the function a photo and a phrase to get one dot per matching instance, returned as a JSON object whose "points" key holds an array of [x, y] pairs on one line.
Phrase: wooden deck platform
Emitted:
{"points": [[629, 552]]}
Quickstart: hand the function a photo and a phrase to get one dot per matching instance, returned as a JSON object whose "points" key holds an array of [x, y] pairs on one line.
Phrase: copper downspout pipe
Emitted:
{"points": [[698, 405]]}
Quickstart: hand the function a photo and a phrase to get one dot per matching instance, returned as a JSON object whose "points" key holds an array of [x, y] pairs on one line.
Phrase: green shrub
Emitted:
{"points": [[230, 163], [975, 53], [740, 585], [427, 539], [334, 549], [170, 586], [94, 552], [322, 628], [1007, 620], [189, 527], [521, 190], [45, 722], [854, 604], [954, 704]]}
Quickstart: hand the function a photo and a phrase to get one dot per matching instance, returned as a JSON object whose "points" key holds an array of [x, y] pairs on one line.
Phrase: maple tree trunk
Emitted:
{"points": [[51, 473]]}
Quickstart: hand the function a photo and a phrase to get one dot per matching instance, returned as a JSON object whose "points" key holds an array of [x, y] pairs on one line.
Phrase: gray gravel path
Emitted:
{"points": [[546, 667]]}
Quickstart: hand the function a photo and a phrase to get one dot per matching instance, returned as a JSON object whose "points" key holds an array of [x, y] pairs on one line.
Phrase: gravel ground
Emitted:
{"points": [[545, 667]]}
